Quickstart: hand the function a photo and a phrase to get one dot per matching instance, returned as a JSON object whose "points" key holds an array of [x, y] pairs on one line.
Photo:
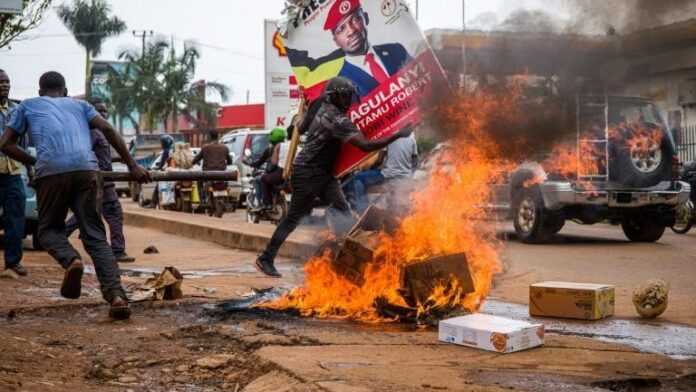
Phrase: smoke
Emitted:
{"points": [[590, 17], [531, 21], [627, 16]]}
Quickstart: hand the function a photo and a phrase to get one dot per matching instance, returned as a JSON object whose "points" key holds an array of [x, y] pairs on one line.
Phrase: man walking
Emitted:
{"points": [[327, 127], [12, 197], [111, 207], [67, 179]]}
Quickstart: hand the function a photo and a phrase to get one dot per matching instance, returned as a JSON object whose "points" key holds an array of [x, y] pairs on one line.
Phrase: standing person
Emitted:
{"points": [[327, 128], [167, 144], [12, 197], [400, 163], [111, 207], [67, 178]]}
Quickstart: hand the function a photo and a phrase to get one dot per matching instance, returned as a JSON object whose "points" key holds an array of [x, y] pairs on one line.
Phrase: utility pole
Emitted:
{"points": [[143, 34]]}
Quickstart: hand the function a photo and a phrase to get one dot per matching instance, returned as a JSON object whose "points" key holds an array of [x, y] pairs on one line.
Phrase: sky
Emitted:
{"points": [[228, 32]]}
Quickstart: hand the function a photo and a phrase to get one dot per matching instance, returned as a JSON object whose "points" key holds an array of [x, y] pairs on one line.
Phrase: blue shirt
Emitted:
{"points": [[59, 129]]}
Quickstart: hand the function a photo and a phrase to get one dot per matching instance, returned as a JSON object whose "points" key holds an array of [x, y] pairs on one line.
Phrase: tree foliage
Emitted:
{"points": [[162, 86], [91, 23], [11, 26]]}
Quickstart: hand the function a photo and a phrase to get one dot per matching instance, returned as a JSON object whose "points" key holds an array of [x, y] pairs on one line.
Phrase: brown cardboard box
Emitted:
{"points": [[583, 301]]}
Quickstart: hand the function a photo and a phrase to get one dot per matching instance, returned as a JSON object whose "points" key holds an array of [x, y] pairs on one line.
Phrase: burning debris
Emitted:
{"points": [[440, 258]]}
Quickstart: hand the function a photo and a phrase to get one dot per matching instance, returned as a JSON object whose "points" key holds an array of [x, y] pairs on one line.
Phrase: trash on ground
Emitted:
{"points": [[584, 301], [491, 333], [252, 299], [151, 250], [651, 298], [163, 286]]}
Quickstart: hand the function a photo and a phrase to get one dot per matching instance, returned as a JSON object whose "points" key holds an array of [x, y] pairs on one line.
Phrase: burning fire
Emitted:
{"points": [[565, 160], [445, 218]]}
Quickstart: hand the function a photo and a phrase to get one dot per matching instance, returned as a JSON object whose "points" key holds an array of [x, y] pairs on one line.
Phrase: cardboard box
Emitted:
{"points": [[582, 301], [491, 333]]}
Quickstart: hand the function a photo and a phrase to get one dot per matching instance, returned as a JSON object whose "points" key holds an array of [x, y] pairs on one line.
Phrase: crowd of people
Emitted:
{"points": [[73, 142]]}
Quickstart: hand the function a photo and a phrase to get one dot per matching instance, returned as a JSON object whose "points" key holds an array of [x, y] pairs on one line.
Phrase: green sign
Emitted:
{"points": [[11, 6]]}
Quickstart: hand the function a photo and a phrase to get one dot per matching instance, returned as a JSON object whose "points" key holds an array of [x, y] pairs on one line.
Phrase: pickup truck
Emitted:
{"points": [[631, 179]]}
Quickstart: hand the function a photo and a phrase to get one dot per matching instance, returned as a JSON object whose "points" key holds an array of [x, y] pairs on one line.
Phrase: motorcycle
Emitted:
{"points": [[274, 214], [217, 199], [686, 212], [184, 196]]}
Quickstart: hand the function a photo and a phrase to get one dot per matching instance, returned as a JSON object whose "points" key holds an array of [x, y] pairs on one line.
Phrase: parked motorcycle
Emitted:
{"points": [[218, 199], [184, 196], [274, 214], [686, 213]]}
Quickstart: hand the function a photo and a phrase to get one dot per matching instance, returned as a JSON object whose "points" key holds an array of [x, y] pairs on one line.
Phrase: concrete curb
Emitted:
{"points": [[244, 237]]}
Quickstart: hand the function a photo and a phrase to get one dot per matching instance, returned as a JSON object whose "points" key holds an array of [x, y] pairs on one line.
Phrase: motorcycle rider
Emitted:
{"points": [[327, 127], [273, 173], [215, 157]]}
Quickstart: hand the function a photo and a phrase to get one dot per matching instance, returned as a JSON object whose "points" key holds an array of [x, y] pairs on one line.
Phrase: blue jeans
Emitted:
{"points": [[12, 200], [356, 188]]}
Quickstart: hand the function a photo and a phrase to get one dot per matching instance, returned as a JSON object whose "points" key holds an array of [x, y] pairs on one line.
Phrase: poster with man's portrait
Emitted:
{"points": [[378, 45]]}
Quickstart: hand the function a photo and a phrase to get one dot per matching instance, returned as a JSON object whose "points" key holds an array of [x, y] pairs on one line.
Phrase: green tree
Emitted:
{"points": [[163, 88], [120, 85], [11, 26], [91, 24]]}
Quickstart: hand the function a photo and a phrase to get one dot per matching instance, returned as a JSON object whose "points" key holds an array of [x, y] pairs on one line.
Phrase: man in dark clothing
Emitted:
{"points": [[327, 127], [215, 156], [111, 207], [67, 179], [12, 197]]}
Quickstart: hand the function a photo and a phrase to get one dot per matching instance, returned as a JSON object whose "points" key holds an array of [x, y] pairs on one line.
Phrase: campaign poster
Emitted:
{"points": [[378, 45], [282, 90]]}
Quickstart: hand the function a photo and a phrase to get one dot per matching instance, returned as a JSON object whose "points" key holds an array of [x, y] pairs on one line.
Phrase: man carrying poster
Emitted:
{"points": [[327, 127]]}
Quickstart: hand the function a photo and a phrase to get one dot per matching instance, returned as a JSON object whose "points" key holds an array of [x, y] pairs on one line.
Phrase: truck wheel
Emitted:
{"points": [[683, 222], [639, 229], [534, 224], [642, 163]]}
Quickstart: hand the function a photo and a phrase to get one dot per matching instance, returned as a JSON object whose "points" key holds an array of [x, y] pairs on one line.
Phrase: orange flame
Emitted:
{"points": [[445, 218]]}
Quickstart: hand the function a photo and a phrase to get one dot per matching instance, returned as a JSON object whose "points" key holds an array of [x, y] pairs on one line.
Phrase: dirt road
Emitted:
{"points": [[50, 344]]}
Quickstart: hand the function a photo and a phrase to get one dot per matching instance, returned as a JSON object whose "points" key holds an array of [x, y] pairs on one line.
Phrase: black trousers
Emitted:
{"points": [[307, 185], [79, 192], [113, 215]]}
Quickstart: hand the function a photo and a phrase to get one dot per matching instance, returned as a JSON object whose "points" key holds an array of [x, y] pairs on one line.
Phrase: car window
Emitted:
{"points": [[235, 145], [259, 143]]}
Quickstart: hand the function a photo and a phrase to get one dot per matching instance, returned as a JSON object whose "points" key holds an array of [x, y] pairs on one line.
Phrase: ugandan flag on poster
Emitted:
{"points": [[313, 74]]}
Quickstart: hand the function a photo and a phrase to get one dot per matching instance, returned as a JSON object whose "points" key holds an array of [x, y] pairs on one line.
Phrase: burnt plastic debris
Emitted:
{"points": [[253, 300]]}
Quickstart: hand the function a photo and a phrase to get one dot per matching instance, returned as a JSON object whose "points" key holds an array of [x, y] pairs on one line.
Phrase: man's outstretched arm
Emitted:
{"points": [[361, 142], [8, 145], [117, 142]]}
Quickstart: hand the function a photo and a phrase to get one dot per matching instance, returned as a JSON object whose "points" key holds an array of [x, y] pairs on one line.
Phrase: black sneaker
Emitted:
{"points": [[19, 270], [267, 268], [72, 280], [124, 258], [119, 309]]}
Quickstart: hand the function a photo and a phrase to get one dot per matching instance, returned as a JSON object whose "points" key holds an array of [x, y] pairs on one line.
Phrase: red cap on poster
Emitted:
{"points": [[338, 11]]}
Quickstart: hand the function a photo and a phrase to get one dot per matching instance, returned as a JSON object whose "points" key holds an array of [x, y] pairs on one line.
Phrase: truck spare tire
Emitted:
{"points": [[641, 158]]}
